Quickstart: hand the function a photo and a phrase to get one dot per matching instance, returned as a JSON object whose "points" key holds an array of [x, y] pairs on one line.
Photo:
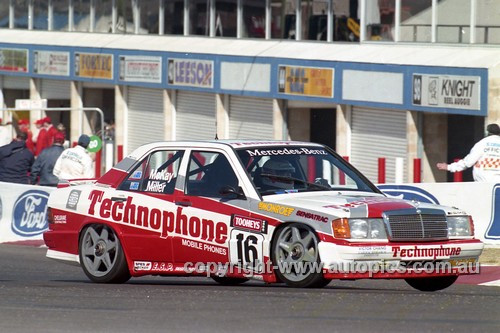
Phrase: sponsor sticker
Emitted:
{"points": [[142, 265], [425, 252], [136, 175], [248, 223], [29, 217], [73, 198], [286, 151], [60, 219], [134, 185], [275, 208], [373, 249], [312, 216]]}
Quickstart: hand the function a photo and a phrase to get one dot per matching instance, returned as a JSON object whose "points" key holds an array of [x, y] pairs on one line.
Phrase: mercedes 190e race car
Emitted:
{"points": [[292, 212]]}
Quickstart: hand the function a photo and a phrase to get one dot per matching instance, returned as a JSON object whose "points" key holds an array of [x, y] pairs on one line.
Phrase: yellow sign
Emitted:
{"points": [[306, 81], [277, 209], [98, 66]]}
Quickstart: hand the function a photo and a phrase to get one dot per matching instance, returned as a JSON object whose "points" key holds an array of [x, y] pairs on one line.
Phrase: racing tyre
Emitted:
{"points": [[101, 255], [432, 283], [295, 253], [228, 281]]}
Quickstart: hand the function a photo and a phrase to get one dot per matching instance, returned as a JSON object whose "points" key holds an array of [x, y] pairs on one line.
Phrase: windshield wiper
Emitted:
{"points": [[309, 184]]}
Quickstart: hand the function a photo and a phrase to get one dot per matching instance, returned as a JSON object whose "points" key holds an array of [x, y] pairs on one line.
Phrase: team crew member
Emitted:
{"points": [[41, 138], [75, 162], [24, 126], [16, 160], [44, 164], [51, 130], [484, 156]]}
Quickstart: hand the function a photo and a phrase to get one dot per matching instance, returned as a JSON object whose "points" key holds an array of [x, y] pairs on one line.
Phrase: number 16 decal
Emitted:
{"points": [[245, 248]]}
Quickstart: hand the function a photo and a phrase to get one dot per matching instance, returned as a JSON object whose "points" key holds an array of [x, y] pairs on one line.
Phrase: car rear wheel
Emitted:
{"points": [[431, 283], [101, 255], [295, 253]]}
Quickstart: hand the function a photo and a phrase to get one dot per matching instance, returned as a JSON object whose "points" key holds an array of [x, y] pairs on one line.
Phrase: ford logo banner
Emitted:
{"points": [[30, 213]]}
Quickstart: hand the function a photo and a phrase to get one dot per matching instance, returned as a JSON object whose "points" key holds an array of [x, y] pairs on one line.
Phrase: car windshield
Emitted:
{"points": [[288, 169]]}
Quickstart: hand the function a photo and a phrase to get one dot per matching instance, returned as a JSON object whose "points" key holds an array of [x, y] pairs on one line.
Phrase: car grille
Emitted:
{"points": [[417, 227]]}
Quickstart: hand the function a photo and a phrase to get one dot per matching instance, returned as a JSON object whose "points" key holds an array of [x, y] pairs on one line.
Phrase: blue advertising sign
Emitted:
{"points": [[493, 231], [29, 216]]}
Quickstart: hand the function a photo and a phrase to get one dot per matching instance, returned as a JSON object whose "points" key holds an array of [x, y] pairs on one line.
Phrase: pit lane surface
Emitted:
{"points": [[41, 295]]}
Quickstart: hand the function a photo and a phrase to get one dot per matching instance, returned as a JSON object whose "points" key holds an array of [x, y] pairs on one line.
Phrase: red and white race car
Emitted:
{"points": [[294, 212]]}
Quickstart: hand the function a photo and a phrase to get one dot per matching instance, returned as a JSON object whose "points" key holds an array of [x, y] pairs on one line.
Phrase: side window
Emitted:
{"points": [[156, 174], [208, 173]]}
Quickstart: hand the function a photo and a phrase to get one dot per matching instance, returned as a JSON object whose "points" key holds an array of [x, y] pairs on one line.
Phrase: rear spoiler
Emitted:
{"points": [[72, 182]]}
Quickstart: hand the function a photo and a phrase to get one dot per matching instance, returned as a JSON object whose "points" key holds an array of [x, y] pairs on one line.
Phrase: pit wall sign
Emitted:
{"points": [[140, 69], [479, 199], [191, 73], [306, 81], [51, 63], [23, 212], [14, 60], [447, 91], [94, 65]]}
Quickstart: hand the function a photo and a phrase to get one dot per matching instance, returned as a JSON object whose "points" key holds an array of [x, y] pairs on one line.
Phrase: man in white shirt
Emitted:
{"points": [[484, 156], [75, 163]]}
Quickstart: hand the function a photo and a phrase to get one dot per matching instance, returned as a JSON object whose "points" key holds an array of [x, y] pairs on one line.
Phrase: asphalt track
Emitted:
{"points": [[41, 295]]}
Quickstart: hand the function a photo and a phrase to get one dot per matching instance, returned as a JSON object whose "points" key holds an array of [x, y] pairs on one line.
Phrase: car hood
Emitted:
{"points": [[344, 204]]}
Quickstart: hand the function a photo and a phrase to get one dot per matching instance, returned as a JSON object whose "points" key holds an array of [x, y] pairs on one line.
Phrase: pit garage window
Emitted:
{"points": [[208, 173], [157, 173]]}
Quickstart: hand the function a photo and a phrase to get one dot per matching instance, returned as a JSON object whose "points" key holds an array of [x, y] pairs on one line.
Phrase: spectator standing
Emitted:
{"points": [[484, 156], [5, 133], [24, 127], [75, 162], [16, 161], [51, 130], [44, 164], [41, 140]]}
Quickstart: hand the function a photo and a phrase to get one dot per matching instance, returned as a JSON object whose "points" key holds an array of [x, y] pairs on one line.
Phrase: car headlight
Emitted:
{"points": [[359, 228], [460, 226]]}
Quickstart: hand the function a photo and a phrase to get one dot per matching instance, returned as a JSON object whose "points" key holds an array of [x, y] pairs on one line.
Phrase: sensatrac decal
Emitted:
{"points": [[408, 192], [311, 216], [29, 216], [164, 222], [429, 252]]}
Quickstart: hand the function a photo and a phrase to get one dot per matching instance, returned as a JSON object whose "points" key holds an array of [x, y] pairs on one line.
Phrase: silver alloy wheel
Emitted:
{"points": [[296, 251], [99, 250]]}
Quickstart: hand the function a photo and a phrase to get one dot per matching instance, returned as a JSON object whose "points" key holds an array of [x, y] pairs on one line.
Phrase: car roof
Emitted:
{"points": [[139, 152]]}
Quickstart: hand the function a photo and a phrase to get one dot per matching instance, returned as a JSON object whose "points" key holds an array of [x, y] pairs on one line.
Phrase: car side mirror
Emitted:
{"points": [[228, 190]]}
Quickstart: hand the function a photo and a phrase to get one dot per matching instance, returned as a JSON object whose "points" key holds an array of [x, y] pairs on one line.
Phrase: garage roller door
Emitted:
{"points": [[378, 133], [250, 118], [55, 89], [145, 122], [16, 82], [195, 117]]}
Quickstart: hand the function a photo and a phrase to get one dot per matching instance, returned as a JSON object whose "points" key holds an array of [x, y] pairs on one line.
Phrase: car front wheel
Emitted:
{"points": [[296, 257], [101, 255], [431, 283]]}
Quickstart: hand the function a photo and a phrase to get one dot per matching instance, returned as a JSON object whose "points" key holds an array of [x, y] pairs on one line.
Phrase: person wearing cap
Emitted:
{"points": [[16, 161], [484, 156], [24, 126], [75, 163], [41, 140], [42, 169], [51, 130]]}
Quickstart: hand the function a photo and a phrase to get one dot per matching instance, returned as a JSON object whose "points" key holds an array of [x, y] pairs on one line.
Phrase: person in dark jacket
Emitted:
{"points": [[16, 161], [44, 164]]}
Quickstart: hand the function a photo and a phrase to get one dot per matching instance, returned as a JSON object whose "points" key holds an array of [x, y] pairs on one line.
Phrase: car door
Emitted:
{"points": [[216, 212], [148, 198]]}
